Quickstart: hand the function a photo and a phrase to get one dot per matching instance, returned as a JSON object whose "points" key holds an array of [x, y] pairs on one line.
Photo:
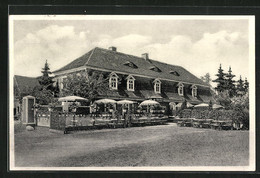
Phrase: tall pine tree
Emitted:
{"points": [[221, 81], [240, 86], [246, 85], [230, 83], [45, 80]]}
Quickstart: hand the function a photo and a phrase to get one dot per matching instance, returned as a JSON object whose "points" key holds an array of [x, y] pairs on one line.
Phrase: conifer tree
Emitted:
{"points": [[45, 80], [230, 83], [206, 78], [221, 81], [46, 91], [240, 86], [246, 85]]}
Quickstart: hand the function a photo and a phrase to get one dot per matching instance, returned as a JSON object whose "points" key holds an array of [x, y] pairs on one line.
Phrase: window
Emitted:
{"points": [[154, 68], [157, 86], [180, 89], [174, 73], [130, 83], [194, 91], [130, 64], [113, 81]]}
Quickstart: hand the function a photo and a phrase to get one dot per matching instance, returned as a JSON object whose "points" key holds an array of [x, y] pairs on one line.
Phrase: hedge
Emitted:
{"points": [[241, 116]]}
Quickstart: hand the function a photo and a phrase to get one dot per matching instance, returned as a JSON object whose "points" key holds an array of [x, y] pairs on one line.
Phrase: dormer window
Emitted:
{"points": [[130, 64], [154, 68], [157, 86], [194, 91], [174, 73], [180, 89], [113, 81], [130, 83]]}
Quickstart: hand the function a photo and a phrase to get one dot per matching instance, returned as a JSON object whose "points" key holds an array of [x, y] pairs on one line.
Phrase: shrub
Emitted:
{"points": [[236, 115]]}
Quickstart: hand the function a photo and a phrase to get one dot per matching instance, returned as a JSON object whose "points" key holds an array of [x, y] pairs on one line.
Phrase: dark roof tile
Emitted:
{"points": [[115, 61], [25, 83]]}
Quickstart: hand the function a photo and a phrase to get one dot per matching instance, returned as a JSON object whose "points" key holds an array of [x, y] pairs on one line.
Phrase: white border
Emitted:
{"points": [[252, 140]]}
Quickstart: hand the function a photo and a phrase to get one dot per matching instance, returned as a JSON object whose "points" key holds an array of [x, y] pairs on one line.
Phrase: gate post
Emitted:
{"points": [[28, 113]]}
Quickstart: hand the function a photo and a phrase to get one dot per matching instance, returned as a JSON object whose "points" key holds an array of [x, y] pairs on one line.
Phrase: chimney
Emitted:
{"points": [[112, 48], [145, 56]]}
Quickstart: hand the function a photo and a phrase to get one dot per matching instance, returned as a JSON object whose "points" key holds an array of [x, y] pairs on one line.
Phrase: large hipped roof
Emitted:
{"points": [[116, 61]]}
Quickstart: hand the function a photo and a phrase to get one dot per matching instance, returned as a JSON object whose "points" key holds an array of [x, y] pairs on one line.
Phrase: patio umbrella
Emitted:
{"points": [[148, 103], [217, 106], [125, 102], [201, 105], [179, 105], [189, 105], [155, 97], [72, 98], [105, 101]]}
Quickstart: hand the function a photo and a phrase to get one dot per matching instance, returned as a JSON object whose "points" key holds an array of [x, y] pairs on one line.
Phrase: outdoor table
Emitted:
{"points": [[206, 123], [197, 123], [222, 125], [187, 122]]}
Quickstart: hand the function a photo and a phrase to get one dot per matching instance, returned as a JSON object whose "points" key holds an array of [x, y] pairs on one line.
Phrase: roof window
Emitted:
{"points": [[154, 68], [174, 73], [130, 64]]}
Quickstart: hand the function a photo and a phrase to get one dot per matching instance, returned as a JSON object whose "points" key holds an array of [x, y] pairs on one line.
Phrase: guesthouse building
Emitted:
{"points": [[138, 78]]}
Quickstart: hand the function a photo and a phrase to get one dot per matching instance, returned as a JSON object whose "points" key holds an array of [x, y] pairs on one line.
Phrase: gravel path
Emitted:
{"points": [[164, 145]]}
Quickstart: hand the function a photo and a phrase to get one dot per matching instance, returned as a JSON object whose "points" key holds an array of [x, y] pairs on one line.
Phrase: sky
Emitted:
{"points": [[200, 46]]}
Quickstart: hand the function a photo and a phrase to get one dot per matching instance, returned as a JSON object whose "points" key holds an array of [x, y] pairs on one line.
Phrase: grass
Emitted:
{"points": [[165, 145]]}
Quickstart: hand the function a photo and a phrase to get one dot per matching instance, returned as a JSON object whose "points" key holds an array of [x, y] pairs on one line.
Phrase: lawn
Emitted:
{"points": [[163, 145]]}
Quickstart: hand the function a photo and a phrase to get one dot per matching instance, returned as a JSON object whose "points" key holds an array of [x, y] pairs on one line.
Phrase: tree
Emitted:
{"points": [[221, 81], [84, 85], [43, 95], [45, 80], [224, 99], [240, 86], [46, 91], [246, 85], [230, 83], [206, 78]]}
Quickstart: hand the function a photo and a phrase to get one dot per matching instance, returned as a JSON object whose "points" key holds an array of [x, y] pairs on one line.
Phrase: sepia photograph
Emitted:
{"points": [[132, 92]]}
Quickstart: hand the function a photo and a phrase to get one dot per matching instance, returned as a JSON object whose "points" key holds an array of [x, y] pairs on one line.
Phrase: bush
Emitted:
{"points": [[238, 115]]}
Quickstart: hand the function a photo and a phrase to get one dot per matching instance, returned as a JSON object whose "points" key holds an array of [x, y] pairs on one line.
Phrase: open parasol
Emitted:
{"points": [[125, 102], [72, 98], [217, 106], [201, 105], [149, 103], [105, 101], [189, 105]]}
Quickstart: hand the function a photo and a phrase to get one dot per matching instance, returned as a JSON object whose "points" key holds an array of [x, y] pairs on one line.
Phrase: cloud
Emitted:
{"points": [[129, 44], [62, 44], [205, 54], [57, 44]]}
